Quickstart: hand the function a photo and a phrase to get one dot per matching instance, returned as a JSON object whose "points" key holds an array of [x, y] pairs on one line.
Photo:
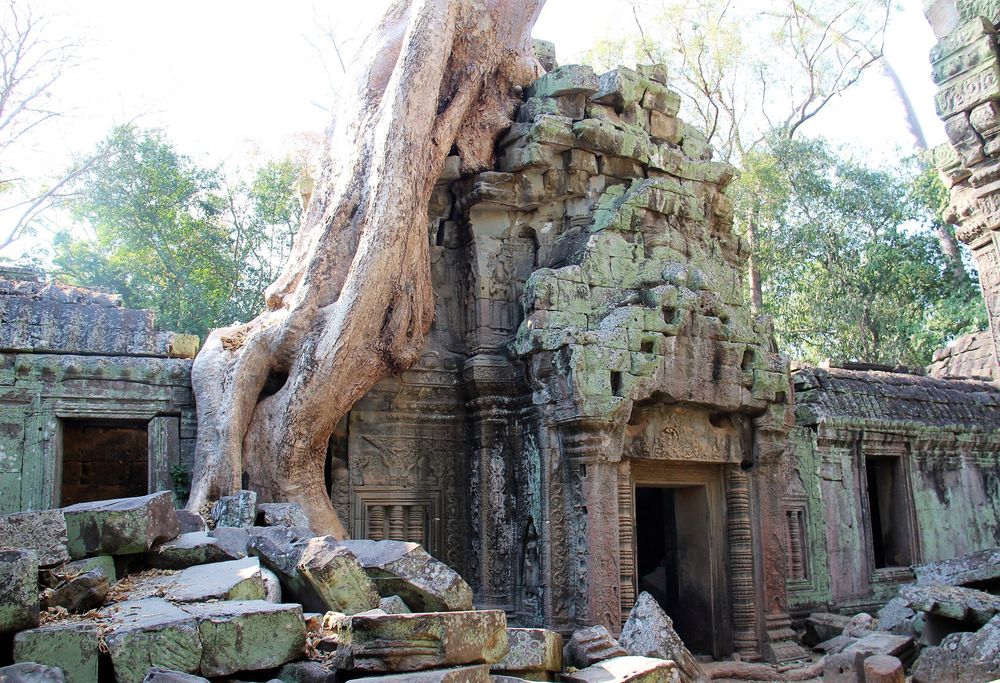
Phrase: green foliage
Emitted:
{"points": [[181, 240], [850, 264], [181, 480]]}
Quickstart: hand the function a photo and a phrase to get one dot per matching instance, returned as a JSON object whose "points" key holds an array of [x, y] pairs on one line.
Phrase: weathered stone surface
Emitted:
{"points": [[821, 626], [64, 572], [954, 602], [247, 635], [282, 514], [626, 669], [394, 604], [591, 645], [413, 642], [962, 657], [238, 509], [233, 580], [860, 625], [896, 617], [565, 80], [545, 53], [883, 644], [279, 549], [407, 570], [18, 590], [81, 593], [462, 674], [121, 526], [272, 585], [190, 521], [71, 647], [150, 632], [649, 632], [884, 669], [844, 667], [337, 576], [307, 672], [30, 672], [983, 565], [192, 548], [43, 531], [531, 649], [158, 674]]}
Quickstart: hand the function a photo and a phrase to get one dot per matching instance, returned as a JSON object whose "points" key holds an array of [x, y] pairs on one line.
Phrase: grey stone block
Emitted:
{"points": [[71, 647], [144, 633], [18, 590], [121, 526], [43, 531]]}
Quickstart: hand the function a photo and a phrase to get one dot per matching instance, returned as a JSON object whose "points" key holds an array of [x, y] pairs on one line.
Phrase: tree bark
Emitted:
{"points": [[354, 301]]}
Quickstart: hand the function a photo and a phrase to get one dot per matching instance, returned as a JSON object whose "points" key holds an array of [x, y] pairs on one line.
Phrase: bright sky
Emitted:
{"points": [[224, 76]]}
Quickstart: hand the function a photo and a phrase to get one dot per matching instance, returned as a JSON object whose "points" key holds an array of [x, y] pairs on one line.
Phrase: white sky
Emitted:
{"points": [[222, 76]]}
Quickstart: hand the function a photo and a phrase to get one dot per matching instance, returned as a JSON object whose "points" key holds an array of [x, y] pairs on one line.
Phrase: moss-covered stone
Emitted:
{"points": [[72, 647]]}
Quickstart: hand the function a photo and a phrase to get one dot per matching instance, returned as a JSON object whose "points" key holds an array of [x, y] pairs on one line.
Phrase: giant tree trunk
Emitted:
{"points": [[354, 301]]}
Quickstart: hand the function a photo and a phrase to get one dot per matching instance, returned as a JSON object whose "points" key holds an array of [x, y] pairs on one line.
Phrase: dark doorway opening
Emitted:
{"points": [[103, 460], [888, 513], [673, 554]]}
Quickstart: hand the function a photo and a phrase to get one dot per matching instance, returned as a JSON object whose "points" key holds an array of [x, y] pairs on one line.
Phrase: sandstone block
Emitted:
{"points": [[30, 672], [620, 86], [70, 647], [822, 626], [144, 633], [884, 669], [654, 72], [279, 549], [649, 632], [531, 650], [247, 635], [896, 617], [233, 580], [307, 672], [272, 585], [81, 593], [626, 669], [187, 550], [337, 576], [844, 667], [462, 674], [414, 642], [121, 526], [565, 80], [962, 657], [239, 509], [983, 565], [590, 645], [408, 571], [158, 674], [57, 575], [954, 602], [18, 590], [190, 521], [663, 127], [283, 514], [545, 53], [394, 605], [43, 531]]}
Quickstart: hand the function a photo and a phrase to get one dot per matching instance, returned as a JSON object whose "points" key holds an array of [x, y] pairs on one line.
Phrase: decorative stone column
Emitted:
{"points": [[741, 570]]}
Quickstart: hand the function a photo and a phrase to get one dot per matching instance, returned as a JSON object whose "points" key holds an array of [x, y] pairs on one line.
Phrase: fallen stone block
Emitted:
{"points": [[413, 642], [649, 632], [462, 674], [282, 514], [30, 672], [590, 645], [81, 593], [565, 80], [877, 643], [233, 580], [962, 657], [821, 626], [884, 669], [953, 602], [279, 549], [57, 575], [534, 650], [626, 669], [394, 605], [337, 576], [896, 617], [860, 625], [407, 570], [190, 521], [18, 590], [190, 549], [121, 526], [43, 531], [157, 674], [71, 647], [307, 672], [977, 567], [247, 635], [238, 509], [272, 585], [844, 667], [140, 634], [835, 644]]}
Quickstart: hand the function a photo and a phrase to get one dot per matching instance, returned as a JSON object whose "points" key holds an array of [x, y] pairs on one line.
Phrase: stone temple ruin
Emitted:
{"points": [[599, 440]]}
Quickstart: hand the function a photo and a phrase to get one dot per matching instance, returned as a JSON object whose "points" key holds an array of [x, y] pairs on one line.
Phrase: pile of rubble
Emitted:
{"points": [[134, 590], [943, 627]]}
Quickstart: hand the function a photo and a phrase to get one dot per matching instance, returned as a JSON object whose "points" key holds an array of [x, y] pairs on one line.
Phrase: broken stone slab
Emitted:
{"points": [[953, 602], [18, 590], [877, 643], [157, 674], [307, 672], [962, 657], [534, 650], [282, 514], [569, 79], [976, 567], [545, 53], [844, 667], [140, 634], [822, 626], [279, 549], [272, 585], [81, 593], [190, 549], [190, 521], [649, 632], [72, 647], [896, 617], [233, 580], [590, 645], [884, 669], [860, 625], [835, 645], [238, 509], [394, 605], [414, 642], [43, 531], [31, 672], [407, 570], [625, 670], [337, 576], [247, 635], [121, 526], [462, 674], [56, 575]]}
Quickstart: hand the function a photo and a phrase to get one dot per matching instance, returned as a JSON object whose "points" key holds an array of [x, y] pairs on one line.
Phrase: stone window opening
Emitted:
{"points": [[888, 513], [103, 459], [616, 382]]}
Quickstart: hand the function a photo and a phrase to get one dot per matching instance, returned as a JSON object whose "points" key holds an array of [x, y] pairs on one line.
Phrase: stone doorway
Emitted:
{"points": [[103, 459], [673, 551]]}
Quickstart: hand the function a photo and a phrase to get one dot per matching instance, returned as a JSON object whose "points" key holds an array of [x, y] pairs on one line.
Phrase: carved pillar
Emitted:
{"points": [[741, 583], [626, 540]]}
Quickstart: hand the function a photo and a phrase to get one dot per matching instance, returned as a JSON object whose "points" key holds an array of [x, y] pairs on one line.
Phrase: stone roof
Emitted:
{"points": [[970, 357], [871, 399]]}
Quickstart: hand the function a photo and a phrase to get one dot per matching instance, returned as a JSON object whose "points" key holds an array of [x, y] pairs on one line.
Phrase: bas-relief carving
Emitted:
{"points": [[678, 434]]}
